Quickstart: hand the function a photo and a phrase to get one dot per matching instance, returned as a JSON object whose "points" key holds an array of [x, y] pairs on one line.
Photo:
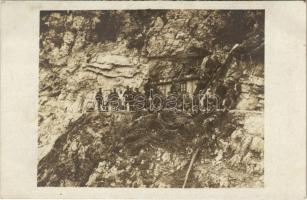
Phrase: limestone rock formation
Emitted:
{"points": [[81, 51]]}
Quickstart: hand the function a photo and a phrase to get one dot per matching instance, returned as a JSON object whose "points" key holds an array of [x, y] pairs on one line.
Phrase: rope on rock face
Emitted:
{"points": [[190, 167]]}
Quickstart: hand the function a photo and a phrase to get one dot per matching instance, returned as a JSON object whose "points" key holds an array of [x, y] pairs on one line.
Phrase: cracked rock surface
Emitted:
{"points": [[81, 51]]}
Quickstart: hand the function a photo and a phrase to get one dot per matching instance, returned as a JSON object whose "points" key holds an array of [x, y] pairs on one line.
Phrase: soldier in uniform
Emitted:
{"points": [[175, 87], [99, 99], [113, 99], [221, 91]]}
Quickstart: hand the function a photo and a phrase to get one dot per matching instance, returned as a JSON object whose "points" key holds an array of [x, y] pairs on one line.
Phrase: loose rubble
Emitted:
{"points": [[91, 149]]}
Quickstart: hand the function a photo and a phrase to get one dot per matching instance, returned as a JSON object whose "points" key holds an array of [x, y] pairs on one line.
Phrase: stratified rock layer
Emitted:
{"points": [[81, 51]]}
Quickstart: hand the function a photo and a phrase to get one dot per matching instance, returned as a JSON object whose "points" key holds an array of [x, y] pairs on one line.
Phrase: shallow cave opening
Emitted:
{"points": [[109, 27]]}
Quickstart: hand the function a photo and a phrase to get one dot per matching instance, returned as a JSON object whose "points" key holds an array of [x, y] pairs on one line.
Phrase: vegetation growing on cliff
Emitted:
{"points": [[77, 50]]}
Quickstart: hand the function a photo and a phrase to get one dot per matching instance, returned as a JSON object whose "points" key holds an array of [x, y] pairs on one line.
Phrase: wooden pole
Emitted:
{"points": [[190, 167]]}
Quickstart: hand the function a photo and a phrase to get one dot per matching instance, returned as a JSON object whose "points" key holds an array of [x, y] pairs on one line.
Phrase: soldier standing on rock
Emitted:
{"points": [[121, 99], [220, 91], [99, 99], [228, 102], [113, 100], [175, 87], [201, 85], [149, 90], [128, 94]]}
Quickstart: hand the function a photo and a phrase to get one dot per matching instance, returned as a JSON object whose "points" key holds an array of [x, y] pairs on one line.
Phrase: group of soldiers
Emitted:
{"points": [[119, 99], [223, 96], [212, 69], [208, 93]]}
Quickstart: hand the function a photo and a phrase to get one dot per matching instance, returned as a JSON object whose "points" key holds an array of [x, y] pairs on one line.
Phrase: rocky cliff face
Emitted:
{"points": [[81, 51]]}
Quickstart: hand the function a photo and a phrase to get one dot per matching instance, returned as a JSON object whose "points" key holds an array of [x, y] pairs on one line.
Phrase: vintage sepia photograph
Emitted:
{"points": [[151, 98]]}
